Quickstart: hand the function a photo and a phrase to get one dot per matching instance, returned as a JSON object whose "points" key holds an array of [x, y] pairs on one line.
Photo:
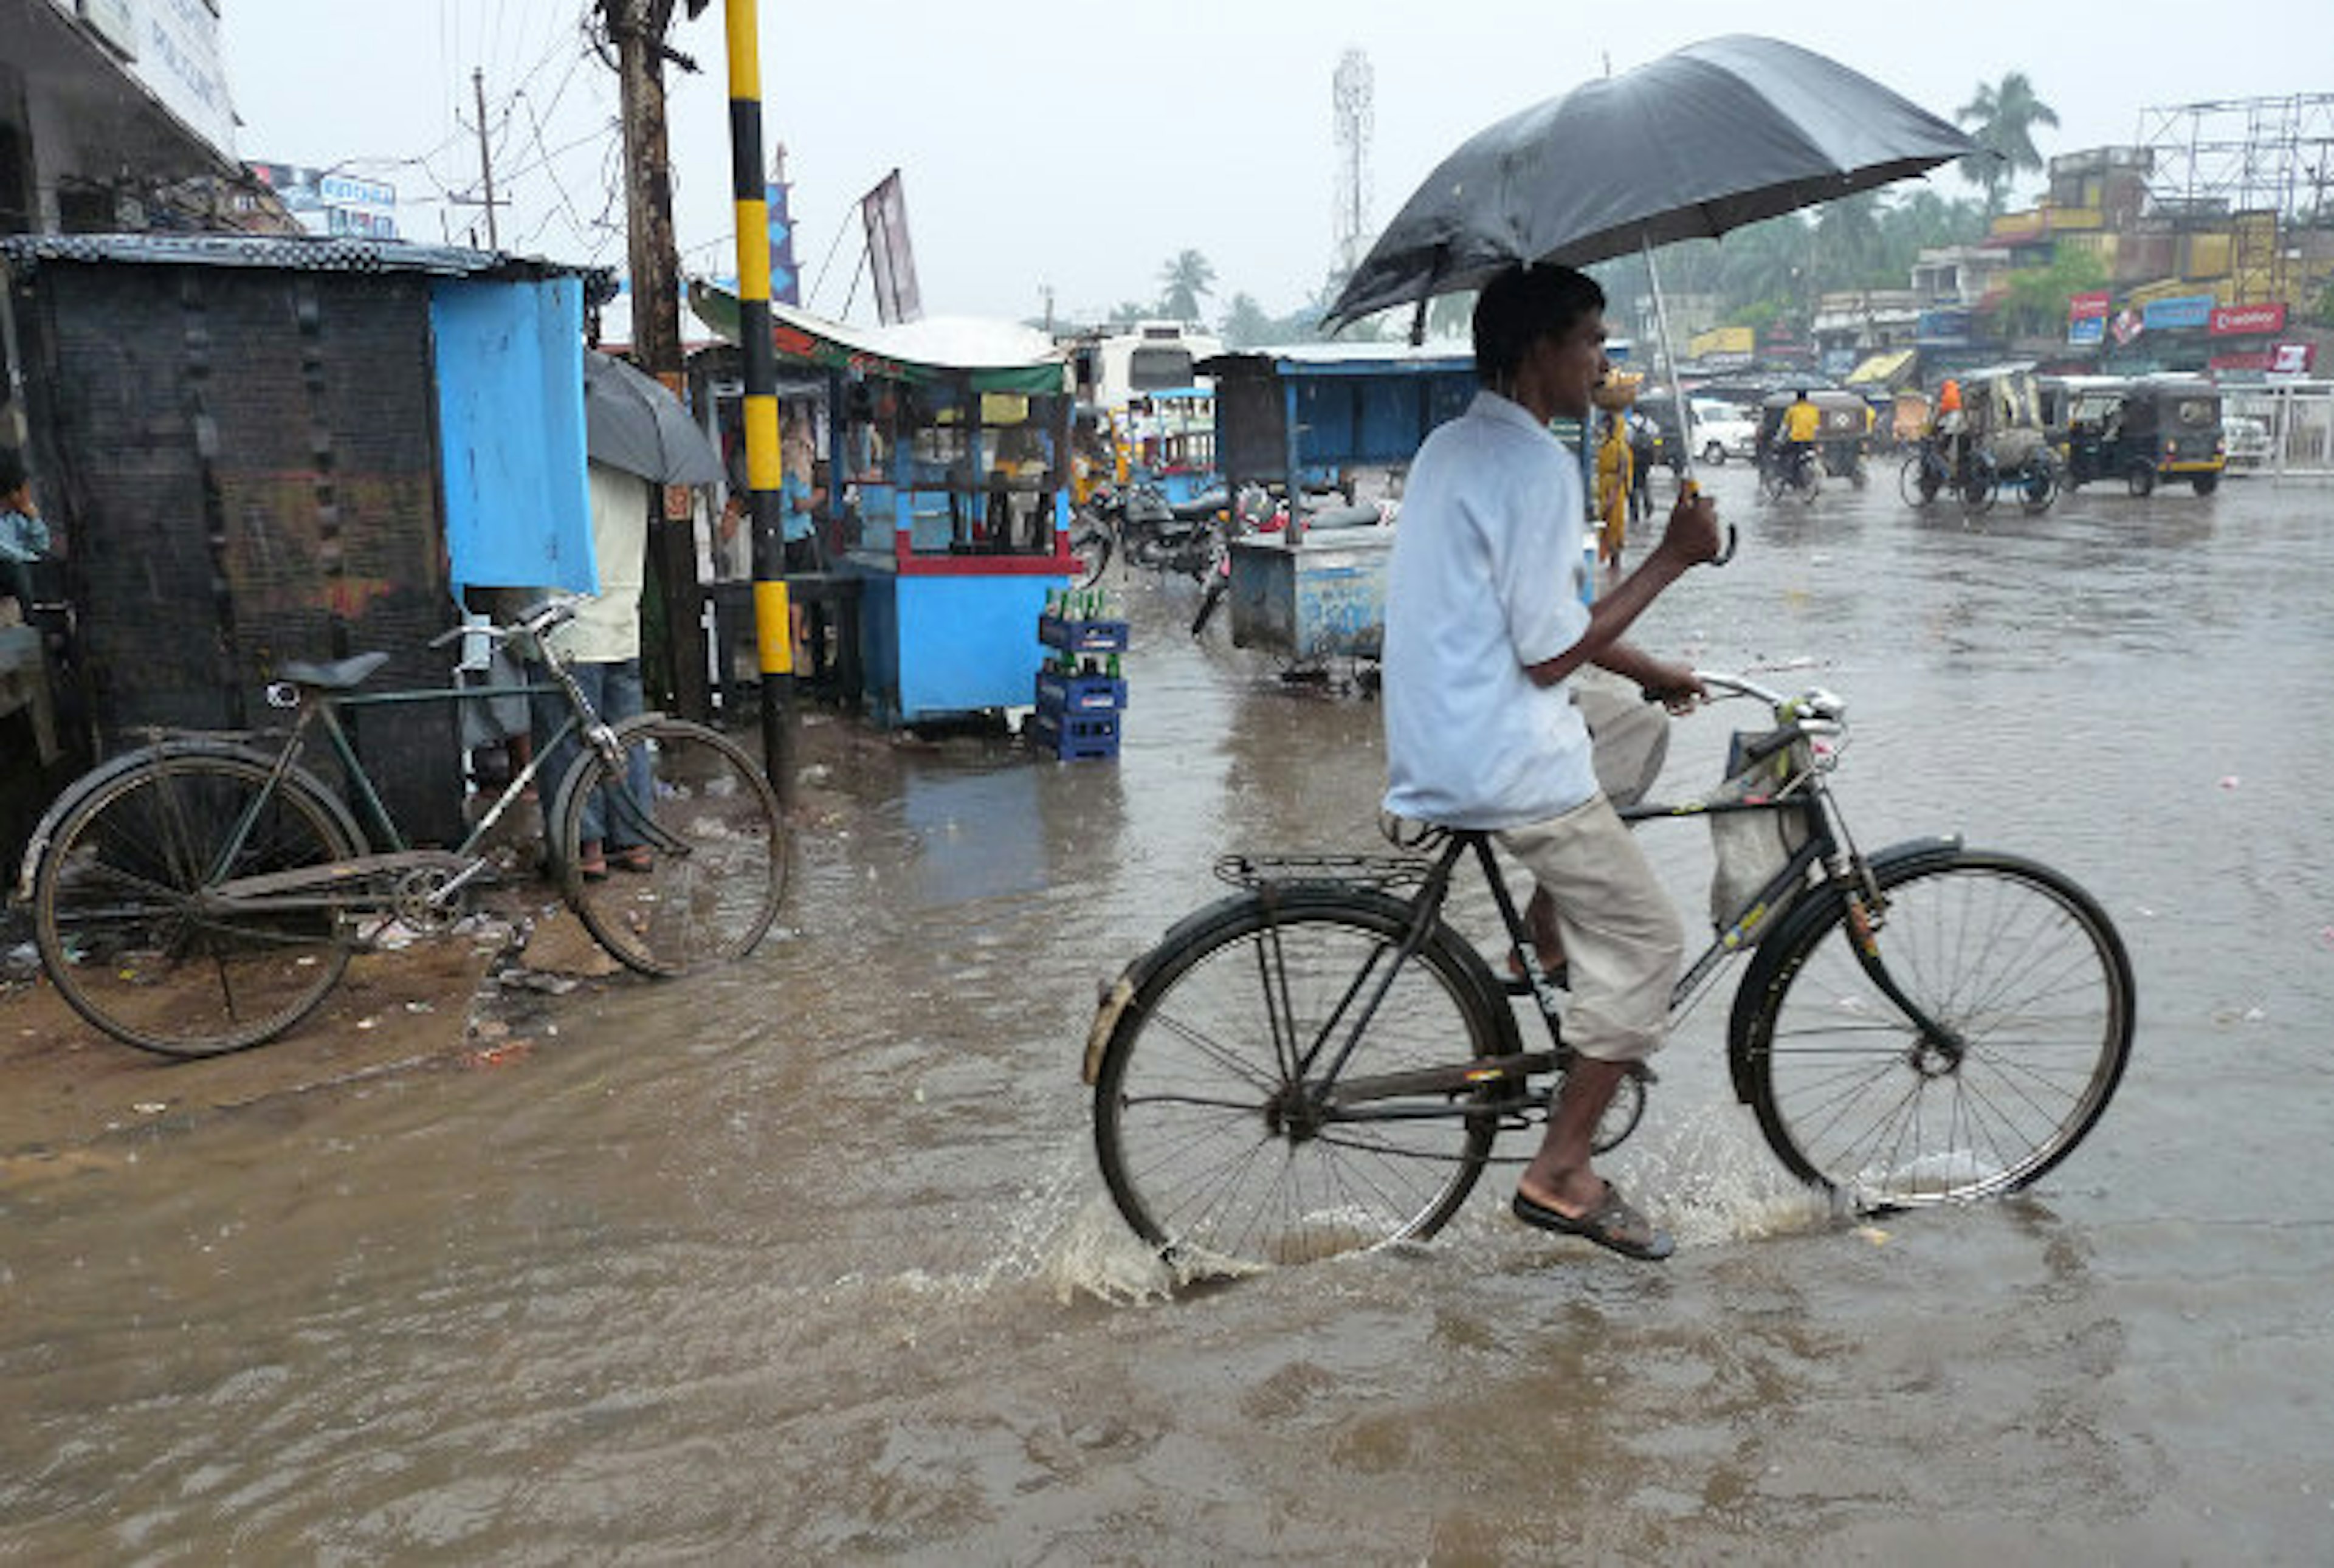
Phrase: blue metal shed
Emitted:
{"points": [[1307, 416]]}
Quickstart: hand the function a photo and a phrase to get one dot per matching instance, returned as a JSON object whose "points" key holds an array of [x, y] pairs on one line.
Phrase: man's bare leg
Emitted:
{"points": [[1548, 942], [1559, 1176]]}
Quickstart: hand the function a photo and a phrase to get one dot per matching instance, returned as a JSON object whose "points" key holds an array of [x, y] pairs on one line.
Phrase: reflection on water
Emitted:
{"points": [[810, 1261]]}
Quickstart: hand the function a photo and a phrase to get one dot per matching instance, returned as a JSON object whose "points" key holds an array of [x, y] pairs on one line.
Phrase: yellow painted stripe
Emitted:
{"points": [[773, 633], [754, 260], [744, 31], [762, 464]]}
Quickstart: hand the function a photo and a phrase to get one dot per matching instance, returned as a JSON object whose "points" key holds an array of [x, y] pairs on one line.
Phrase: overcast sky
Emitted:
{"points": [[1077, 146]]}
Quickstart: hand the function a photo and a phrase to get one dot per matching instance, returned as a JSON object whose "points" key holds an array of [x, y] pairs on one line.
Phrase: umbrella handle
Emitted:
{"points": [[1727, 554]]}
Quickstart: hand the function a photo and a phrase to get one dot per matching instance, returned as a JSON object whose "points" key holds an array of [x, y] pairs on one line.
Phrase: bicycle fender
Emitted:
{"points": [[1112, 996], [1116, 996], [1767, 967], [36, 848]]}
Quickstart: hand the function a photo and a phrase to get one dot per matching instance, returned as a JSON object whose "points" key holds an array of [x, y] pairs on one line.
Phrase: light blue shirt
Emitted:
{"points": [[793, 508], [1485, 579], [23, 537]]}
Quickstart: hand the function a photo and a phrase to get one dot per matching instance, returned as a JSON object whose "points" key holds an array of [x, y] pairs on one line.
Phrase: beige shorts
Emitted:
{"points": [[1623, 941]]}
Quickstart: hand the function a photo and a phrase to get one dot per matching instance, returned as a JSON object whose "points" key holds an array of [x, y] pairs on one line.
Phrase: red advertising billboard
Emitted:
{"points": [[2230, 320], [2085, 307]]}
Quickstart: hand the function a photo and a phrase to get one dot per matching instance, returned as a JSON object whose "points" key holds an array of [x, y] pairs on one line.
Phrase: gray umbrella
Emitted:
{"points": [[632, 423], [1714, 136]]}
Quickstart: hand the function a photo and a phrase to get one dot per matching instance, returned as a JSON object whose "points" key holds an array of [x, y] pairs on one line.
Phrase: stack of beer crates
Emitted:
{"points": [[1080, 691]]}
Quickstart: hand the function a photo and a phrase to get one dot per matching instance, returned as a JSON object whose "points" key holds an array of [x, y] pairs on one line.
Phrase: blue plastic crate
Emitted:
{"points": [[1082, 636], [1061, 693], [1077, 737]]}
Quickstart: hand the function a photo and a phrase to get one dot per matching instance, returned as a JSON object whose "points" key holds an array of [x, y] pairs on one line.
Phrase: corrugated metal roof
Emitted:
{"points": [[290, 253]]}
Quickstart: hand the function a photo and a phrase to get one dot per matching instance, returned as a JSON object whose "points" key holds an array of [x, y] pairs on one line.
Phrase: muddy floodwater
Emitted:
{"points": [[810, 1260]]}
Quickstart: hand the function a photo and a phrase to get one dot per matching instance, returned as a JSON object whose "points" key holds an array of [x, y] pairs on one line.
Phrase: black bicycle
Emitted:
{"points": [[204, 893], [1320, 1062]]}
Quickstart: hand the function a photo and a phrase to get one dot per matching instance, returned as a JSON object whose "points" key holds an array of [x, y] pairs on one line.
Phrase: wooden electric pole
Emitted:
{"points": [[486, 158], [637, 27]]}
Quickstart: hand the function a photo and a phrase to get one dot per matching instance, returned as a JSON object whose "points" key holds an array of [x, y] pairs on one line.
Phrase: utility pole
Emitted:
{"points": [[638, 28], [774, 635], [486, 159]]}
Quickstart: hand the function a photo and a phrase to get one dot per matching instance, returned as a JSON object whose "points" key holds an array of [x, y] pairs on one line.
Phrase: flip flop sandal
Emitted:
{"points": [[1613, 1224], [593, 870], [638, 859]]}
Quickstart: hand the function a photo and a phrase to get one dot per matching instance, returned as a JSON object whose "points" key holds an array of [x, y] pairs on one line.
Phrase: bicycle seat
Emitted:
{"points": [[340, 674]]}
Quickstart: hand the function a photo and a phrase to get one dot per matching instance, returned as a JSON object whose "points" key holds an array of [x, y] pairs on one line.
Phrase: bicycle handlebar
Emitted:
{"points": [[533, 622]]}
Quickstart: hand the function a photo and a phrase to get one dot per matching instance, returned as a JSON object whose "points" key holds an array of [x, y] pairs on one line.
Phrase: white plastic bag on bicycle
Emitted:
{"points": [[1752, 846]]}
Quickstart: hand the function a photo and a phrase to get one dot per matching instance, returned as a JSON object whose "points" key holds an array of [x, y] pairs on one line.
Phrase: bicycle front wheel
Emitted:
{"points": [[132, 942], [1918, 481], [1207, 1119], [2031, 993], [691, 833]]}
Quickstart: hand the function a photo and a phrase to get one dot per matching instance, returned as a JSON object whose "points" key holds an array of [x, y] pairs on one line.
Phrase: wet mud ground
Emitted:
{"points": [[809, 1260]]}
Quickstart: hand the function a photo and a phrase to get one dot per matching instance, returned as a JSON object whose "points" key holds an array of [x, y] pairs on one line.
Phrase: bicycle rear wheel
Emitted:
{"points": [[126, 935], [696, 857], [2032, 993], [1213, 1148]]}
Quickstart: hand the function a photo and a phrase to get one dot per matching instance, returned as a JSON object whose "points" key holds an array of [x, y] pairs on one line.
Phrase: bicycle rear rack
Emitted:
{"points": [[1256, 872]]}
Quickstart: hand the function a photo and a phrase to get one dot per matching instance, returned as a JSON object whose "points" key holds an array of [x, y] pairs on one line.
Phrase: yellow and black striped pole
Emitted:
{"points": [[772, 631]]}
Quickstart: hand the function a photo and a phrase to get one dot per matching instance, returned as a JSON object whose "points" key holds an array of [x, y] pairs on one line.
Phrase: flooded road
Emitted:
{"points": [[811, 1262]]}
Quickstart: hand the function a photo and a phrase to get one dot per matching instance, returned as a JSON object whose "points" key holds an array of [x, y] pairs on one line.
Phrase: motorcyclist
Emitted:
{"points": [[1802, 424]]}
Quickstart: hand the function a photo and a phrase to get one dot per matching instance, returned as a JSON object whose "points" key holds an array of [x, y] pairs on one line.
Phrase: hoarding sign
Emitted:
{"points": [[2185, 312], [2087, 330], [891, 257], [177, 60], [112, 23], [2091, 306], [2231, 320]]}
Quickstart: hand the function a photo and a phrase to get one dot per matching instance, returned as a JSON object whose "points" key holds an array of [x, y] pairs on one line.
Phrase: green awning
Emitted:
{"points": [[987, 356]]}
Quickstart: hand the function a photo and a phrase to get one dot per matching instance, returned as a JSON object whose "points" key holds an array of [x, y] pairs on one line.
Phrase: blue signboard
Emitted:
{"points": [[2175, 314], [2087, 330]]}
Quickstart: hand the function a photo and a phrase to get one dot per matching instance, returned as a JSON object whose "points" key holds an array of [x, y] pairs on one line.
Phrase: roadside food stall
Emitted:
{"points": [[952, 458], [1174, 440], [1342, 417]]}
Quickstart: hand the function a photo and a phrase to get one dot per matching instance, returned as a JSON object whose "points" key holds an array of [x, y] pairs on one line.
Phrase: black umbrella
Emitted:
{"points": [[632, 423], [1714, 136]]}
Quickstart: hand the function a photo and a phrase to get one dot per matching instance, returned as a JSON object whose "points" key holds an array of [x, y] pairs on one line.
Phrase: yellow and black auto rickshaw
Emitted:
{"points": [[2148, 430]]}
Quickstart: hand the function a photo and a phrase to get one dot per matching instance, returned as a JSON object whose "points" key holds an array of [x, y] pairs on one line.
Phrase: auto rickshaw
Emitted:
{"points": [[2003, 410], [2145, 430], [1842, 438]]}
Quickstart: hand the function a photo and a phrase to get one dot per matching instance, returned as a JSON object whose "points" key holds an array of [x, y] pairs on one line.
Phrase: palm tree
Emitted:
{"points": [[1182, 281], [1848, 240], [2003, 120]]}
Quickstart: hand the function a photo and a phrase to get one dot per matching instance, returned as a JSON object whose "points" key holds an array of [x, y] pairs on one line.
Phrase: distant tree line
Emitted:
{"points": [[1762, 276]]}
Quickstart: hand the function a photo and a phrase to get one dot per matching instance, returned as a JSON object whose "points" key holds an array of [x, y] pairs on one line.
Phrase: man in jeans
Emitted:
{"points": [[1485, 625], [602, 647]]}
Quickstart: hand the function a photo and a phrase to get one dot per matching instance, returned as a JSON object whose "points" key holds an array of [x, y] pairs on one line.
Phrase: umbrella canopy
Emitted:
{"points": [[1714, 136], [632, 423]]}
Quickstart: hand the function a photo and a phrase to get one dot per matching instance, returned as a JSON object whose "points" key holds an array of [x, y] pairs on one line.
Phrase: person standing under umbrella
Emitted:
{"points": [[602, 647], [1484, 626]]}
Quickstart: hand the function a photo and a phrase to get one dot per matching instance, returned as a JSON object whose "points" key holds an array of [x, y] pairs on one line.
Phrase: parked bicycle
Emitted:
{"points": [[205, 892], [1320, 1062]]}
